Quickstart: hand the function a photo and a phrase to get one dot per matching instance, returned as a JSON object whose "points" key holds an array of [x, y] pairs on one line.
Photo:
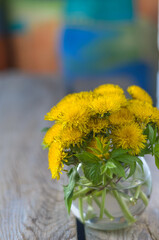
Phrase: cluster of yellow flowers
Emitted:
{"points": [[104, 112]]}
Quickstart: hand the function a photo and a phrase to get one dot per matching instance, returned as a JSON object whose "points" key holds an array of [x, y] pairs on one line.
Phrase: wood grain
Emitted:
{"points": [[146, 228], [31, 204]]}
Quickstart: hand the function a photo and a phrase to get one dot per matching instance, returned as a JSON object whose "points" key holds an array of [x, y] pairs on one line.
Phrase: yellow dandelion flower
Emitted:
{"points": [[155, 116], [97, 124], [76, 115], [74, 96], [55, 157], [129, 137], [138, 93], [53, 114], [121, 117], [57, 111], [141, 110], [71, 99], [52, 134], [108, 89], [84, 95], [72, 111], [71, 137], [107, 104]]}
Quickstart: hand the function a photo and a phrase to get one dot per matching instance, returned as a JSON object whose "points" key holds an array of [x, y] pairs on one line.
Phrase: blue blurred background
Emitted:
{"points": [[83, 43]]}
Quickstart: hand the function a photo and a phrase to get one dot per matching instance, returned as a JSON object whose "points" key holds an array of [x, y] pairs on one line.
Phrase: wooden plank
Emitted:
{"points": [[146, 228], [31, 204]]}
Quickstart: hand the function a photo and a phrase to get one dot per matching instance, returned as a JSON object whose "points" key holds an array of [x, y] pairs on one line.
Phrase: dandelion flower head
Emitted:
{"points": [[141, 110], [107, 104], [71, 136], [121, 117], [129, 137], [155, 116], [71, 109], [108, 89], [52, 134], [76, 115], [138, 93], [55, 157], [97, 124]]}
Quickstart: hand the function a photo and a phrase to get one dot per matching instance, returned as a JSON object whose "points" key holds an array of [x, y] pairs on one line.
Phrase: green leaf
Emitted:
{"points": [[119, 170], [156, 148], [85, 157], [157, 139], [71, 160], [151, 134], [103, 169], [99, 144], [110, 173], [110, 164], [106, 148], [126, 158], [132, 169], [138, 160], [145, 151], [45, 129], [157, 161], [118, 152], [106, 166], [68, 189], [92, 172], [96, 151], [155, 134], [146, 131], [123, 160]]}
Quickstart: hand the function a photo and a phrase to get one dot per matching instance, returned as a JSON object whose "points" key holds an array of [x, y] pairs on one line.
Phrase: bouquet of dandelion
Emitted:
{"points": [[99, 139]]}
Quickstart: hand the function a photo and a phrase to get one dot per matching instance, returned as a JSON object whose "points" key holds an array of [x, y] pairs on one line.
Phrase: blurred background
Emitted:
{"points": [[81, 43]]}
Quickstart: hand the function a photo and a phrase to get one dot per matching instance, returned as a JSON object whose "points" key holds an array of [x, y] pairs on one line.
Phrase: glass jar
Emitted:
{"points": [[124, 200]]}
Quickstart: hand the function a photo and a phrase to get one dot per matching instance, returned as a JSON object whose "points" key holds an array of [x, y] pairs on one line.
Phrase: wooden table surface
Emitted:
{"points": [[31, 204]]}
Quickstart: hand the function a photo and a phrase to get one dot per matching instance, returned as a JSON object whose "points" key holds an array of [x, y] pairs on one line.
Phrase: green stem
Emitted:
{"points": [[103, 200], [97, 193], [80, 205], [90, 207], [138, 189], [141, 194], [105, 211], [144, 198], [102, 204], [89, 201], [123, 206], [80, 193]]}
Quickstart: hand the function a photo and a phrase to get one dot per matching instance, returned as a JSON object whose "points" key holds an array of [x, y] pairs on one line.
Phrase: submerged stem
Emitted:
{"points": [[105, 211], [138, 190], [144, 198], [142, 195], [123, 206], [103, 199], [102, 205]]}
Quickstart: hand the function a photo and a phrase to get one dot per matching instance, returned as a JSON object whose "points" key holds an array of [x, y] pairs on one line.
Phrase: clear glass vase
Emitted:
{"points": [[116, 205]]}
